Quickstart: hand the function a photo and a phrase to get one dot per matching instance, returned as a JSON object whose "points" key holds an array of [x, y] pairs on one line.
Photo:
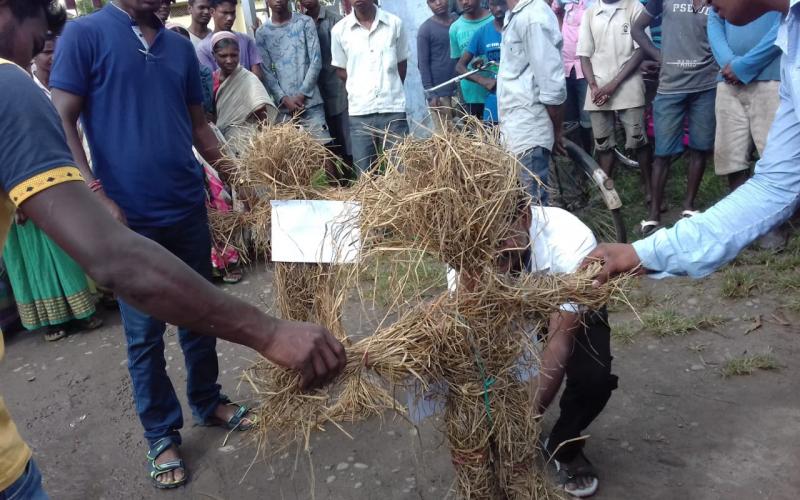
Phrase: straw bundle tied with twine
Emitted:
{"points": [[451, 198]]}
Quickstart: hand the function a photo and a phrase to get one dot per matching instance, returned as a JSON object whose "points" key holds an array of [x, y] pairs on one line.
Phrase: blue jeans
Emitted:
{"points": [[536, 161], [27, 487], [670, 112], [156, 402], [367, 138], [574, 110]]}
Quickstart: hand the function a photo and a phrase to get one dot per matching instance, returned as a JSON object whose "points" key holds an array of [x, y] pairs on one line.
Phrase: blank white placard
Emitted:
{"points": [[315, 231]]}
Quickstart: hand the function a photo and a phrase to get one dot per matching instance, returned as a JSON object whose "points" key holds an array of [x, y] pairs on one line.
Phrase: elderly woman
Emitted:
{"points": [[242, 101]]}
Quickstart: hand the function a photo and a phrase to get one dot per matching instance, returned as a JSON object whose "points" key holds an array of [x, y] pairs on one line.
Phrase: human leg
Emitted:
{"points": [[363, 142], [668, 116], [588, 388], [633, 121], [702, 129], [604, 139], [27, 487], [733, 141], [535, 172]]}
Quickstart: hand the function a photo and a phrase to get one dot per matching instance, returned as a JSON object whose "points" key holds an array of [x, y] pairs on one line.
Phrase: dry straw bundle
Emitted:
{"points": [[452, 197]]}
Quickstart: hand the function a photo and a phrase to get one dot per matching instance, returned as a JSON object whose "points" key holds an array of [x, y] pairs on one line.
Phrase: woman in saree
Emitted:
{"points": [[241, 99], [51, 290]]}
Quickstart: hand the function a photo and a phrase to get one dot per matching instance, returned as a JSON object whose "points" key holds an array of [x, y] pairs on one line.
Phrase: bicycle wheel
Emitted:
{"points": [[579, 186]]}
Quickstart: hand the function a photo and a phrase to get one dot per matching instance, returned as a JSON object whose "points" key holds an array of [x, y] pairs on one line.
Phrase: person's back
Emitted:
{"points": [[135, 113], [486, 44]]}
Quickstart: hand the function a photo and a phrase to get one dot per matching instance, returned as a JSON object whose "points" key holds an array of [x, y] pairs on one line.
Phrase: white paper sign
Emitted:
{"points": [[315, 231]]}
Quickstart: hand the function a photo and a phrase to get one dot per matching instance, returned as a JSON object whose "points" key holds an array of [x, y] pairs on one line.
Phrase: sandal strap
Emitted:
{"points": [[168, 466], [237, 417], [159, 447]]}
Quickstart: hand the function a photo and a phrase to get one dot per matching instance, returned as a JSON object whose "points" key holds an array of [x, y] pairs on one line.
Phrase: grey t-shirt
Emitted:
{"points": [[433, 55], [687, 63]]}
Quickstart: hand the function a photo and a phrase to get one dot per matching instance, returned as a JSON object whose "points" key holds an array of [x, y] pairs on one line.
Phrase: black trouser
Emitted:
{"points": [[589, 385], [475, 109]]}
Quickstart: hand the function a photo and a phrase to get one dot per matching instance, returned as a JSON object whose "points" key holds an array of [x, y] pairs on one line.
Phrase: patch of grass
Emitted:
{"points": [[738, 283], [624, 334], [747, 364], [670, 323], [787, 282]]}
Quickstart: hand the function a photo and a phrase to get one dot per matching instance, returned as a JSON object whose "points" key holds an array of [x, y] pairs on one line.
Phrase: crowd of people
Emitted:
{"points": [[143, 108]]}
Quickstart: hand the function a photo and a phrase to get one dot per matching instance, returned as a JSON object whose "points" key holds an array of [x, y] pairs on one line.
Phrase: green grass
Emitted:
{"points": [[628, 184], [670, 323], [624, 334], [739, 283], [747, 364]]}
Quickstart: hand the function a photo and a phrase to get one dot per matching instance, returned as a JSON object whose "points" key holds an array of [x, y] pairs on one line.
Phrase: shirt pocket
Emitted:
{"points": [[513, 59]]}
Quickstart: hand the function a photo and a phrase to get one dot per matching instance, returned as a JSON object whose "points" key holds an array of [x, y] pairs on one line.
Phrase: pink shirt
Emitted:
{"points": [[570, 29]]}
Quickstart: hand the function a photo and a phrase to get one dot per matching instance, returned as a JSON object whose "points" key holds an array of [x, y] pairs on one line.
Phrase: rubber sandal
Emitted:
{"points": [[55, 335], [235, 422], [568, 474], [232, 277], [156, 470], [687, 214], [90, 323], [648, 227]]}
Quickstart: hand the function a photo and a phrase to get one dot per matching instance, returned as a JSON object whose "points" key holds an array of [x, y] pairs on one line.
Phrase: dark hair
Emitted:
{"points": [[225, 43], [55, 13], [216, 3]]}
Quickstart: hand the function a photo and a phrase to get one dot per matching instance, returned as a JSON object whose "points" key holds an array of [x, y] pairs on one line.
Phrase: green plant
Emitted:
{"points": [[738, 283], [669, 323], [624, 334], [85, 7], [749, 363]]}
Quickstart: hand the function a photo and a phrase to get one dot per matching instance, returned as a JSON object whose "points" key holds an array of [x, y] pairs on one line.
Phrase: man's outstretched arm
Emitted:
{"points": [[151, 279]]}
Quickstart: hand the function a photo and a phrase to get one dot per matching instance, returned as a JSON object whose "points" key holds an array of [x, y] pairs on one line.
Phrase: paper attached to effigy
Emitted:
{"points": [[315, 231]]}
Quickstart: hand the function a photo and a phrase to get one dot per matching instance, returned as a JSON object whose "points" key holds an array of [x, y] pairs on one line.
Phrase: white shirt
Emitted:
{"points": [[605, 38], [370, 57], [531, 76]]}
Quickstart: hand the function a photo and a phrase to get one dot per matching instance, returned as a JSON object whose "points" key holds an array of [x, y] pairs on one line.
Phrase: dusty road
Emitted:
{"points": [[675, 429]]}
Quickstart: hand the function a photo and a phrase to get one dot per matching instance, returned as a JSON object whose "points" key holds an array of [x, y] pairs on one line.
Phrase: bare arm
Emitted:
{"points": [[461, 68], [402, 69], [554, 359], [69, 107], [169, 290], [640, 36], [342, 73], [556, 114]]}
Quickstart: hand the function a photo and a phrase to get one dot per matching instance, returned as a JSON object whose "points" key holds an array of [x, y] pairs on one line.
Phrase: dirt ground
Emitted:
{"points": [[675, 428]]}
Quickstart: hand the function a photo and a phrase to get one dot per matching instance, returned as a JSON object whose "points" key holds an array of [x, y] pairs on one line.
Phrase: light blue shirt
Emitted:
{"points": [[749, 49], [699, 245]]}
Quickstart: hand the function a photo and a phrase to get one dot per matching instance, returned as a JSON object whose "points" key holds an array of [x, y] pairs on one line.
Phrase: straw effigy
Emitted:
{"points": [[451, 198]]}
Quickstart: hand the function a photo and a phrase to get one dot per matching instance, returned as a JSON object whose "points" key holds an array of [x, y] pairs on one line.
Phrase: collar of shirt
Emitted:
{"points": [[607, 10], [123, 16], [379, 18]]}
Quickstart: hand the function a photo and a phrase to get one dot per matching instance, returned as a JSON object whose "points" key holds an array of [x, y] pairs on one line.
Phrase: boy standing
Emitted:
{"points": [[370, 51], [686, 89], [291, 65], [485, 45], [461, 32], [435, 64], [200, 13], [610, 61]]}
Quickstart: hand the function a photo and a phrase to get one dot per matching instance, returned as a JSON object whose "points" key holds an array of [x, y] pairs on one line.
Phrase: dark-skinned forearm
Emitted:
{"points": [[162, 284], [629, 68], [556, 114], [640, 37], [588, 71]]}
